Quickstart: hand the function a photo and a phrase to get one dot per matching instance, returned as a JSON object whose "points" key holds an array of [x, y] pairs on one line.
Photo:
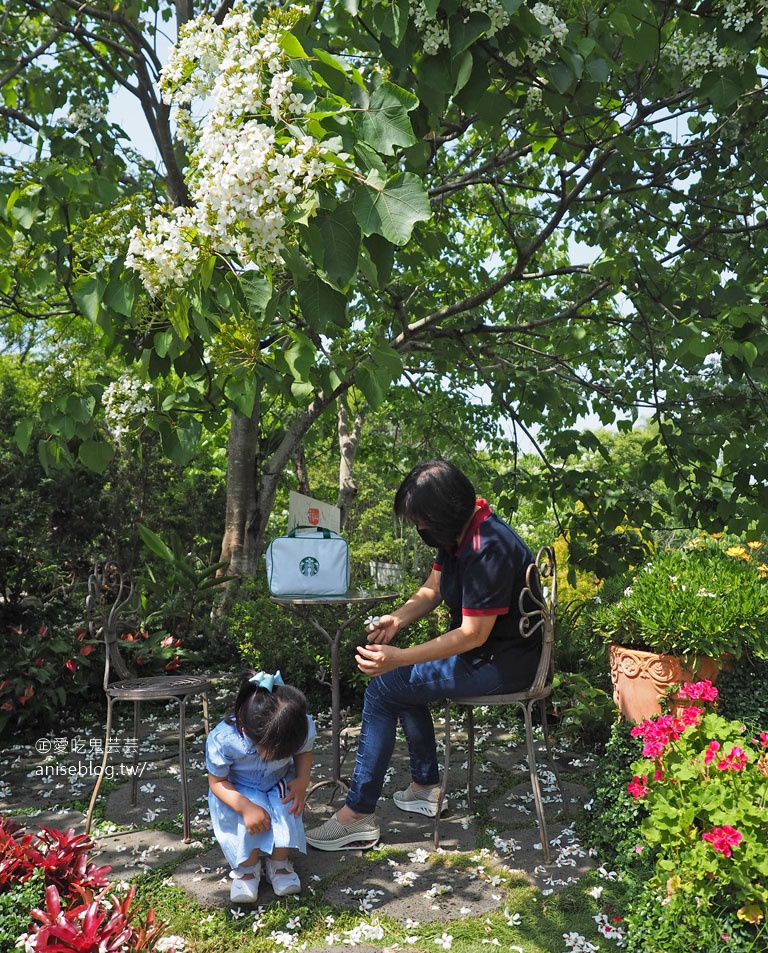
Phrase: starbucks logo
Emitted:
{"points": [[309, 566]]}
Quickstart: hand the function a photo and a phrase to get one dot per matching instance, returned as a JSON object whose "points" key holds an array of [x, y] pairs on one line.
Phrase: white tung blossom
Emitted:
{"points": [[126, 401], [251, 160]]}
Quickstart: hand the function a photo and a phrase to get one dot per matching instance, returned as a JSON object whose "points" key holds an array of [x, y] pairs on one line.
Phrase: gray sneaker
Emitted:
{"points": [[335, 836], [418, 802]]}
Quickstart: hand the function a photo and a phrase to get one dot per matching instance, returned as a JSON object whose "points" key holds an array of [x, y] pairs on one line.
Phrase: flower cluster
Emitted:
{"points": [[704, 785], [698, 53], [723, 838], [658, 733], [125, 401], [435, 29], [252, 162]]}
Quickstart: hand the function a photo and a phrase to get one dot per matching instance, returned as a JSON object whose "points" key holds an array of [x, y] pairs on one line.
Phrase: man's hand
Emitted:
{"points": [[383, 630], [377, 659]]}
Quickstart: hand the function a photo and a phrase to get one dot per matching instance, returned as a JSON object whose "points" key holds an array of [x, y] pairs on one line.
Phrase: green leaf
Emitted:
{"points": [[376, 375], [320, 303], [292, 46], [341, 243], [257, 291], [180, 442], [23, 434], [392, 211], [391, 19], [464, 71], [119, 296], [242, 391], [88, 292], [722, 88], [154, 544], [464, 32], [300, 357], [96, 455], [385, 124]]}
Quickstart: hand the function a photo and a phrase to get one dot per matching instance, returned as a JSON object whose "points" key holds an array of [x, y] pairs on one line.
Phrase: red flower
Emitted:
{"points": [[723, 839], [71, 664], [638, 788]]}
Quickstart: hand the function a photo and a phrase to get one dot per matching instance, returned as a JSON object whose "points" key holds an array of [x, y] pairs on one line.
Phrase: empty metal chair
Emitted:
{"points": [[111, 613]]}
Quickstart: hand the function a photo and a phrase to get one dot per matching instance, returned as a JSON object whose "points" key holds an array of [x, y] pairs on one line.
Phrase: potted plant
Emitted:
{"points": [[682, 615]]}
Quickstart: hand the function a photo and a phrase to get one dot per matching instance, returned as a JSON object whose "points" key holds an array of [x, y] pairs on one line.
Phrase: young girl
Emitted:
{"points": [[258, 761]]}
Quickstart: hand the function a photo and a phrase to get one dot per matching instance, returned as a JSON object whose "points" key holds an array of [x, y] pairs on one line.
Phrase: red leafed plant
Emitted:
{"points": [[101, 925], [62, 855], [80, 915]]}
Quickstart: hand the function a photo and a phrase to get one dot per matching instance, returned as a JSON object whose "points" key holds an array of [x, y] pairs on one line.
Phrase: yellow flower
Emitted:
{"points": [[755, 544], [735, 551], [763, 569]]}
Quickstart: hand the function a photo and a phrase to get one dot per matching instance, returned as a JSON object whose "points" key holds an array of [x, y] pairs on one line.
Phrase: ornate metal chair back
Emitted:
{"points": [[111, 612]]}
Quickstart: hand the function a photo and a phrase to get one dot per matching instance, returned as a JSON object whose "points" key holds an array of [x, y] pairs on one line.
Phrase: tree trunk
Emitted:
{"points": [[242, 513], [302, 474], [252, 484], [349, 442]]}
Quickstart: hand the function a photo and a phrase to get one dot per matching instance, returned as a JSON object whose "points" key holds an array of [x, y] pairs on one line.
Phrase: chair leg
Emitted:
{"points": [[100, 776], [471, 759], [551, 757], [136, 735], [183, 768], [446, 763], [535, 782]]}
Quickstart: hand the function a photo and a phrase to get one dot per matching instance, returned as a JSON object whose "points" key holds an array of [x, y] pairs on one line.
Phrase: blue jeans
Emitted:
{"points": [[405, 693]]}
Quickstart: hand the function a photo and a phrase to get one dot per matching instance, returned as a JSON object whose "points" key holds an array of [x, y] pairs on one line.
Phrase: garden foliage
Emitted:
{"points": [[54, 900]]}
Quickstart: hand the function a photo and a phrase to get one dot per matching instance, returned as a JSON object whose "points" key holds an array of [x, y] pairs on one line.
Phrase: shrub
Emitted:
{"points": [[707, 598], [610, 827], [47, 877], [48, 662], [704, 784]]}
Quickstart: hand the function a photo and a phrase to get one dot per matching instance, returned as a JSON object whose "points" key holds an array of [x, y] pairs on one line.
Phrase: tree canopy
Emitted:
{"points": [[559, 207]]}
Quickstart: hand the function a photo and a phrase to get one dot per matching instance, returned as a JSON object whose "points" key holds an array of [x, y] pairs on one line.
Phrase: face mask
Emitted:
{"points": [[429, 538]]}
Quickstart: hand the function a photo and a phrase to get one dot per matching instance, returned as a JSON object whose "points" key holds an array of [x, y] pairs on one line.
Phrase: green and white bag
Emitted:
{"points": [[309, 561]]}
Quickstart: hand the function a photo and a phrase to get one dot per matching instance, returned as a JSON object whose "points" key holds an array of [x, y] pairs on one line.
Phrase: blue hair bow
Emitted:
{"points": [[264, 680]]}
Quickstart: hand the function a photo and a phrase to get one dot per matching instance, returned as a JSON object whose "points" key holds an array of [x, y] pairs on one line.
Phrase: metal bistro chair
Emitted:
{"points": [[110, 613], [537, 608]]}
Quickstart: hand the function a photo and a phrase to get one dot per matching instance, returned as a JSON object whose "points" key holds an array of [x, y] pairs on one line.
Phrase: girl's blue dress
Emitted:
{"points": [[229, 755]]}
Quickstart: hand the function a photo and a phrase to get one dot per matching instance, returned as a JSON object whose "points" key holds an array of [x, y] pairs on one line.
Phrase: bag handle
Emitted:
{"points": [[316, 529]]}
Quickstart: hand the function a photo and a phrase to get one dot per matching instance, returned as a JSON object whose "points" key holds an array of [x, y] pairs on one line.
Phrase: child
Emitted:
{"points": [[258, 761]]}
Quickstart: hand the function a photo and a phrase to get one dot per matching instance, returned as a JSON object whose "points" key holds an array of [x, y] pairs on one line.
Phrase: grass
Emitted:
{"points": [[524, 919]]}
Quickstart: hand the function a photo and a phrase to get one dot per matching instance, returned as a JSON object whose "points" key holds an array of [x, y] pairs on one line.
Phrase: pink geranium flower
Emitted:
{"points": [[734, 760], [723, 839], [705, 691], [638, 787]]}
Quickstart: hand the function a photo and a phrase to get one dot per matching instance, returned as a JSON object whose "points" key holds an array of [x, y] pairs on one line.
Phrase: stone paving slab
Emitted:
{"points": [[409, 882]]}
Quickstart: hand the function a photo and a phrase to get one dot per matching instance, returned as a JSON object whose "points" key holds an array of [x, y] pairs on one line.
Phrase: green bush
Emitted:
{"points": [[15, 905], [270, 637], [611, 827]]}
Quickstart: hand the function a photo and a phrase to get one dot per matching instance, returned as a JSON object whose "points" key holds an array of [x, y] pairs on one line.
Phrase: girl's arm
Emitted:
{"points": [[297, 788], [255, 818]]}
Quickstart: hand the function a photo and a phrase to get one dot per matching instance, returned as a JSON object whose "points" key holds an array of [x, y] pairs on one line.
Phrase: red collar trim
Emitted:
{"points": [[472, 534]]}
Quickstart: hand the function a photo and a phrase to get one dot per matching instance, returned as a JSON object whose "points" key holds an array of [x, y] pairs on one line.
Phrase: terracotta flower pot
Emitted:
{"points": [[641, 679]]}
